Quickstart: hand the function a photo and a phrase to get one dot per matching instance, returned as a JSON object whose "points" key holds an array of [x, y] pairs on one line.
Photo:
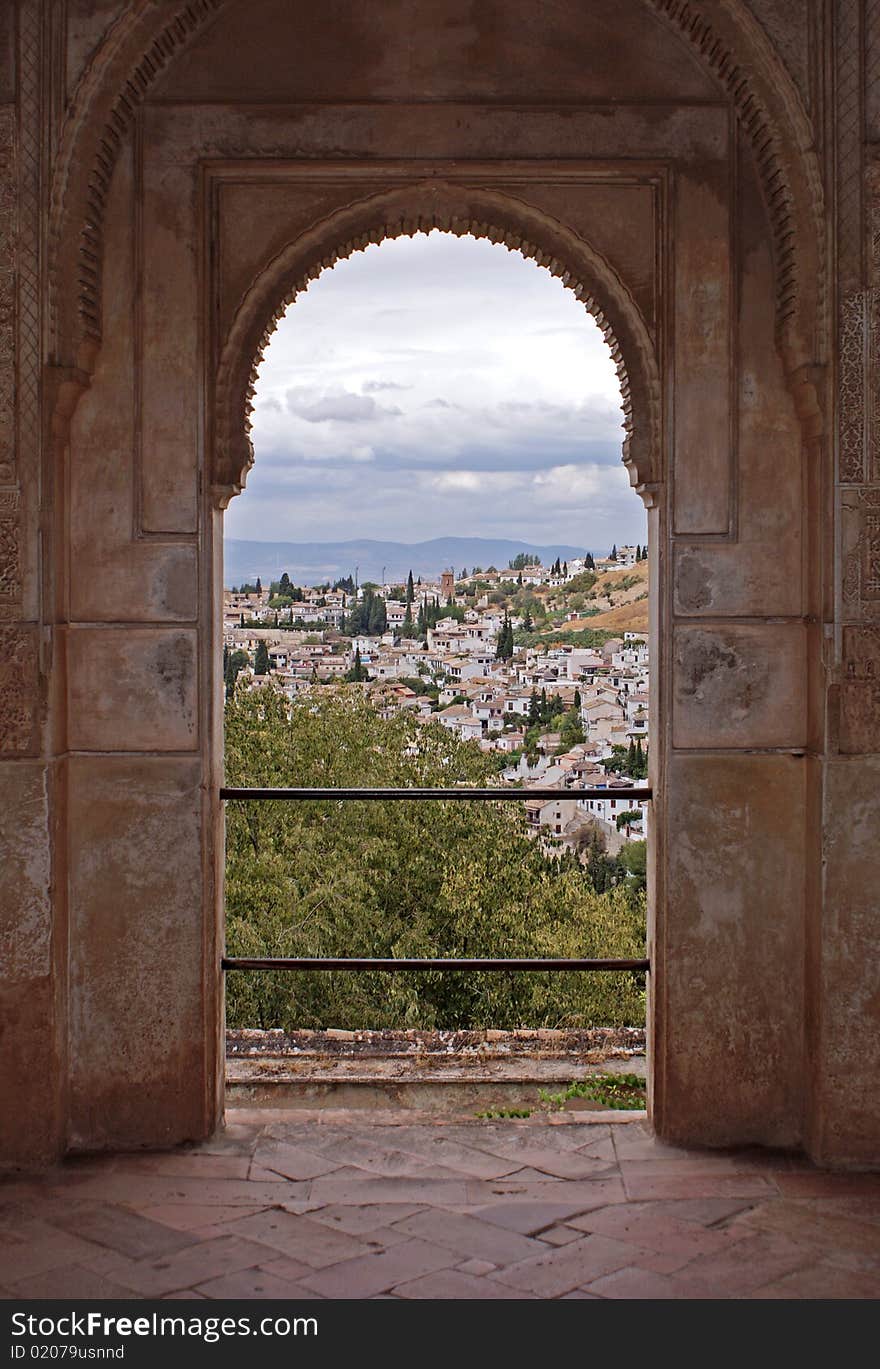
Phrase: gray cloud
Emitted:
{"points": [[339, 407], [506, 414]]}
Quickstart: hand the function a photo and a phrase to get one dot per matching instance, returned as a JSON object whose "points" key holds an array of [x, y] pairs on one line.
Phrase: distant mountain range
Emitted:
{"points": [[313, 563]]}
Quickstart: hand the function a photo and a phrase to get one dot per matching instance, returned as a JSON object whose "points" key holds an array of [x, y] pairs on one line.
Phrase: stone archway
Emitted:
{"points": [[278, 277], [462, 209], [175, 201]]}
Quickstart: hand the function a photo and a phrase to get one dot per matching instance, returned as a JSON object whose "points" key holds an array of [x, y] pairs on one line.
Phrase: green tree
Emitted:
{"points": [[504, 643], [262, 664], [634, 859], [415, 879], [357, 674], [572, 730], [235, 663]]}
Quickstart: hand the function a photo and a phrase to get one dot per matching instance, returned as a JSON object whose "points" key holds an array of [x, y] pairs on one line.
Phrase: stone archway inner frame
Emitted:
{"points": [[457, 201], [486, 202], [791, 259]]}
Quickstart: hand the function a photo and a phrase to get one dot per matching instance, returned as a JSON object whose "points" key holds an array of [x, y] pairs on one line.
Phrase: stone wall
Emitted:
{"points": [[170, 176]]}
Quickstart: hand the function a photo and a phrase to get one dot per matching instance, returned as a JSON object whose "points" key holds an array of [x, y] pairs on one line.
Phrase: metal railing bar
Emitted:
{"points": [[372, 795], [358, 964]]}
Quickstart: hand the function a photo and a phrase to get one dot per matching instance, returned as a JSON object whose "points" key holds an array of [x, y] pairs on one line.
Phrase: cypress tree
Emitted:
{"points": [[410, 590], [577, 700], [261, 660], [534, 709], [613, 556]]}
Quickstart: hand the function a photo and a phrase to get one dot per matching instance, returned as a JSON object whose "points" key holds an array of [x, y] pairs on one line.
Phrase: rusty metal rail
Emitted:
{"points": [[357, 964], [360, 964], [433, 795]]}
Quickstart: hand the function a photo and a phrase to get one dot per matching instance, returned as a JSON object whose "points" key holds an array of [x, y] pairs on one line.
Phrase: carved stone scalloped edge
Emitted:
{"points": [[138, 46], [141, 43], [500, 218], [800, 258]]}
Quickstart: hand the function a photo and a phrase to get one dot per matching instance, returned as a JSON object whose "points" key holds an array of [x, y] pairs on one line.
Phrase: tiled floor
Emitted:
{"points": [[362, 1205]]}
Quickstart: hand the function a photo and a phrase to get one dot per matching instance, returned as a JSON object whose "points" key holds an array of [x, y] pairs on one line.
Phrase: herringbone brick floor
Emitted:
{"points": [[363, 1205]]}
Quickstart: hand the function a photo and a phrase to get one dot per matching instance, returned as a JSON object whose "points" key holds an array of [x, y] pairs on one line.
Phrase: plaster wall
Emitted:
{"points": [[617, 149]]}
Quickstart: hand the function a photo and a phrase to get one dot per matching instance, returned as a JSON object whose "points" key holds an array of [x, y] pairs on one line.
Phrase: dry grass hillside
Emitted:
{"points": [[622, 599]]}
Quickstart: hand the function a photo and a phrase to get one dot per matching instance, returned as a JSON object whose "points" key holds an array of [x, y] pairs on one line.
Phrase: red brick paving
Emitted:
{"points": [[344, 1205]]}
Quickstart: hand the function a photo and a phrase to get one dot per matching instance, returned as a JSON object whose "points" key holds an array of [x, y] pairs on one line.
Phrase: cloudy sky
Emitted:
{"points": [[437, 386]]}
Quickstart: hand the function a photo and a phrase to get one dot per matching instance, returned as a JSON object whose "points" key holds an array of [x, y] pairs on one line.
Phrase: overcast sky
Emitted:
{"points": [[437, 386]]}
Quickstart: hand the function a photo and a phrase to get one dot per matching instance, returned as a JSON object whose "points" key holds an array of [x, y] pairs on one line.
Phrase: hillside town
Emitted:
{"points": [[546, 668]]}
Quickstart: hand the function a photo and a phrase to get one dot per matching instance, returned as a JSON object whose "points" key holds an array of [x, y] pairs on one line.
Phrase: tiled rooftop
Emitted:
{"points": [[295, 1205]]}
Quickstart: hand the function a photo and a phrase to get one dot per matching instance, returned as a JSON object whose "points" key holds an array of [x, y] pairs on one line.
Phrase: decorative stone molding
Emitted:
{"points": [[10, 557], [137, 47], [18, 688], [858, 256], [861, 535], [459, 209], [8, 236], [732, 45], [860, 691]]}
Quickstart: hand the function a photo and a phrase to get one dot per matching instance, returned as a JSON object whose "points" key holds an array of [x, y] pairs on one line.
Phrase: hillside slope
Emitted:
{"points": [[622, 598]]}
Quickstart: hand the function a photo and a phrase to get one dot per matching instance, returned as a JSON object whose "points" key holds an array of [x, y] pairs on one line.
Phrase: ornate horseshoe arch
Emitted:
{"points": [[726, 36], [462, 210]]}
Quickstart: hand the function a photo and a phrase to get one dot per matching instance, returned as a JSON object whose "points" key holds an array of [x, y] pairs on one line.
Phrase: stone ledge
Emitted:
{"points": [[591, 1045]]}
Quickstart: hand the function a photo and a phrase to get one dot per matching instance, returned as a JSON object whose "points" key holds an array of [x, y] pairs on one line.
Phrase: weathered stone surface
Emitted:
{"points": [[132, 689], [848, 1056], [32, 1128], [737, 579], [616, 51], [731, 960], [739, 685], [702, 462], [137, 981]]}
